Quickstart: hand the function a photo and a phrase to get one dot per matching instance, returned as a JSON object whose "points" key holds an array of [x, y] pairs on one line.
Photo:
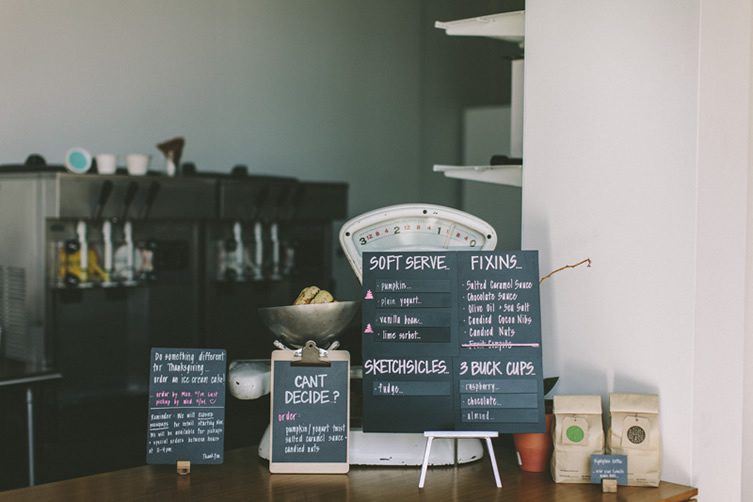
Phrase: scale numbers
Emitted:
{"points": [[414, 227]]}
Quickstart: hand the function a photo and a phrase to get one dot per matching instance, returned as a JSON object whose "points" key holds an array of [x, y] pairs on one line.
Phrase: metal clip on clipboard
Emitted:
{"points": [[311, 355]]}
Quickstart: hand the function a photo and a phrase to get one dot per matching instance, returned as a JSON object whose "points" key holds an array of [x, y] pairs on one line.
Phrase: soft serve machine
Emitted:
{"points": [[406, 227], [116, 264], [110, 262]]}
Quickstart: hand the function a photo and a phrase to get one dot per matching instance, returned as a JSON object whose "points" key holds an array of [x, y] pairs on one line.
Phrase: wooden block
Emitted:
{"points": [[609, 485], [183, 467]]}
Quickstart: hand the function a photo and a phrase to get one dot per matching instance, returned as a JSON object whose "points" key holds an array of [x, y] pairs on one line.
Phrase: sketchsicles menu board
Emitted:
{"points": [[309, 413], [452, 341], [186, 406]]}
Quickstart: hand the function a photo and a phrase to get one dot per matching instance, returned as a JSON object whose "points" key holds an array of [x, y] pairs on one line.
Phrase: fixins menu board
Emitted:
{"points": [[452, 341]]}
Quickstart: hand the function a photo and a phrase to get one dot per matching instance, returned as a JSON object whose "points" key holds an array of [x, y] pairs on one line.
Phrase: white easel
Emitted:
{"points": [[487, 435]]}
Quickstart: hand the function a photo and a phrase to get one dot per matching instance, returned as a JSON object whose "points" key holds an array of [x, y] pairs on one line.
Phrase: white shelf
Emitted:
{"points": [[507, 26], [501, 175]]}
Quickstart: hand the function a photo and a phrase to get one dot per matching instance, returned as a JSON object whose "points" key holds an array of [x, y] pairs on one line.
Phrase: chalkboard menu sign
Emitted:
{"points": [[309, 416], [452, 341], [609, 467], [186, 406]]}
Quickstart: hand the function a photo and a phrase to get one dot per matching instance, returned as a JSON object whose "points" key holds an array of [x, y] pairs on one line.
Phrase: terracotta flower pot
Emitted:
{"points": [[535, 449]]}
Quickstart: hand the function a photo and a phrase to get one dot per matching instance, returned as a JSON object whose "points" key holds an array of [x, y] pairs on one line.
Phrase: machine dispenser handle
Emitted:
{"points": [[274, 233], [283, 250], [261, 199], [281, 200], [274, 237], [258, 251], [151, 196], [239, 250], [296, 200], [83, 250], [128, 237], [107, 239], [133, 187], [258, 259], [104, 195]]}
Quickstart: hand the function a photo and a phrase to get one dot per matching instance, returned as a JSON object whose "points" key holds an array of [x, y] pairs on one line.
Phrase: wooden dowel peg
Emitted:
{"points": [[183, 467], [609, 485]]}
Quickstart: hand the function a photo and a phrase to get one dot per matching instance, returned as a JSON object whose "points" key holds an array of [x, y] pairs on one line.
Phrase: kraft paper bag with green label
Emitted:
{"points": [[634, 431], [577, 434]]}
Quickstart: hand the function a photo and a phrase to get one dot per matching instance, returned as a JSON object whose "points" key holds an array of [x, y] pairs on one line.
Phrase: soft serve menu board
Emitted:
{"points": [[452, 341], [186, 406]]}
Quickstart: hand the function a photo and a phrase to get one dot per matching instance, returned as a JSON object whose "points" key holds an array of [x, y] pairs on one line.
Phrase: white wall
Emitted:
{"points": [[636, 157], [723, 134], [747, 443]]}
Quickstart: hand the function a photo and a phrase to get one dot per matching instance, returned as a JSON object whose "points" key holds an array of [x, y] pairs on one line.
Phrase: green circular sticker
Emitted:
{"points": [[575, 434]]}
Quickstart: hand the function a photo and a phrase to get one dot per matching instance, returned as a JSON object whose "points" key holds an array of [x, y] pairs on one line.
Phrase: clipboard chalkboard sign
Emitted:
{"points": [[452, 341], [310, 422], [186, 420]]}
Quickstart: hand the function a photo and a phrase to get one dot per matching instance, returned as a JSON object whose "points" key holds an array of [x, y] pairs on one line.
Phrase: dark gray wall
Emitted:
{"points": [[366, 92]]}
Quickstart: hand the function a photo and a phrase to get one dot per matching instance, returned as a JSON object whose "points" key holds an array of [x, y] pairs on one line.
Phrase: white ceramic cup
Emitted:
{"points": [[106, 163], [137, 163]]}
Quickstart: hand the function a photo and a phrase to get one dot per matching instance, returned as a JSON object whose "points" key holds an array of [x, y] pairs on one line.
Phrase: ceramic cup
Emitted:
{"points": [[78, 160], [106, 163], [137, 163]]}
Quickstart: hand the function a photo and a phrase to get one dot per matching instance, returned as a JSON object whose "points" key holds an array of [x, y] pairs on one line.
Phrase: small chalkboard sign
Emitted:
{"points": [[186, 419], [609, 467], [310, 423]]}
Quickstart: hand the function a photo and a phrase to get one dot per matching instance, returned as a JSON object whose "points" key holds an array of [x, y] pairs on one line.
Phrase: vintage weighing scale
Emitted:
{"points": [[403, 227]]}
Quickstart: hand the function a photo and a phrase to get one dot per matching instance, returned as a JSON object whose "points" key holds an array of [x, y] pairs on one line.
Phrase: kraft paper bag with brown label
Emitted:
{"points": [[634, 431], [577, 434]]}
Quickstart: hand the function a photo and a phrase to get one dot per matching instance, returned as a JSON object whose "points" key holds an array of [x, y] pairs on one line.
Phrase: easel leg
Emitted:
{"points": [[30, 432], [494, 462], [425, 465]]}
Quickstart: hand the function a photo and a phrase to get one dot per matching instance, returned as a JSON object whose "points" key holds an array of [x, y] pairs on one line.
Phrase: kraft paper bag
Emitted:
{"points": [[577, 434], [634, 431]]}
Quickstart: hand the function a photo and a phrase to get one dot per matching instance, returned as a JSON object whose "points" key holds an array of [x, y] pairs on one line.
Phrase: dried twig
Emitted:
{"points": [[547, 276]]}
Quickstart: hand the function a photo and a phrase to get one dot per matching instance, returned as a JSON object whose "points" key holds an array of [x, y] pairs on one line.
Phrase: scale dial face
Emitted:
{"points": [[414, 227]]}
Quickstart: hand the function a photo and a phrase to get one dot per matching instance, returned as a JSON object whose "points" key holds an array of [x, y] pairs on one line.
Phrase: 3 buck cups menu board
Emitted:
{"points": [[452, 341]]}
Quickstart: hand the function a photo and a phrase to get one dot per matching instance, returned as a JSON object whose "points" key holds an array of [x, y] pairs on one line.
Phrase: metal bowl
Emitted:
{"points": [[294, 325]]}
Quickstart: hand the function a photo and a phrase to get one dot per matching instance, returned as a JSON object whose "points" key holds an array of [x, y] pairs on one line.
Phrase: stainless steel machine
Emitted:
{"points": [[109, 263], [116, 264]]}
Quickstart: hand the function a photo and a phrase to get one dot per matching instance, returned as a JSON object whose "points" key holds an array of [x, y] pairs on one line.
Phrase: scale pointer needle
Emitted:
{"points": [[449, 234]]}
